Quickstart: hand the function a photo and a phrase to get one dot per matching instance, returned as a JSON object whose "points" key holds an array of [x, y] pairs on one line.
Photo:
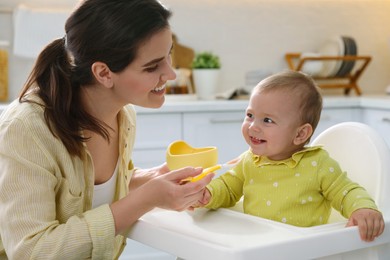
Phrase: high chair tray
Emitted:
{"points": [[230, 235]]}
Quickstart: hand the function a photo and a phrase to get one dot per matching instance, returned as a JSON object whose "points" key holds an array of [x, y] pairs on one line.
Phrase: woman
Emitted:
{"points": [[68, 188]]}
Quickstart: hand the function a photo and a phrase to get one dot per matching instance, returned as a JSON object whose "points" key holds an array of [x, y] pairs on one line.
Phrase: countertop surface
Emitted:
{"points": [[373, 101], [366, 101]]}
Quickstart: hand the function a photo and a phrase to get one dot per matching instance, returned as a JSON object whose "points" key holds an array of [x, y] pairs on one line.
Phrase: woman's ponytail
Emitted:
{"points": [[51, 80]]}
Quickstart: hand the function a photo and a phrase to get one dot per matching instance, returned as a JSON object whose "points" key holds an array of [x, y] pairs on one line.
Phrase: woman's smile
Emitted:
{"points": [[159, 90]]}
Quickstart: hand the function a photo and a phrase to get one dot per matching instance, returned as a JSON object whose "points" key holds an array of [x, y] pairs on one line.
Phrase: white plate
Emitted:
{"points": [[312, 67], [333, 47]]}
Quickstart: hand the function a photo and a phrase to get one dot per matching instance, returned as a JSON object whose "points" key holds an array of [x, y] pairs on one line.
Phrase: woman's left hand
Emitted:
{"points": [[161, 169], [141, 176]]}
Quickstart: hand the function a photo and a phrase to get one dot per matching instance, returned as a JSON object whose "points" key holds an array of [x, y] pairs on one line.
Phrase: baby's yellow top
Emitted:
{"points": [[299, 190]]}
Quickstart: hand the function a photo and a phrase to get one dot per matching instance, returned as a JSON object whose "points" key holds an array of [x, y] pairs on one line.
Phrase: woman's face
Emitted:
{"points": [[142, 82], [271, 124]]}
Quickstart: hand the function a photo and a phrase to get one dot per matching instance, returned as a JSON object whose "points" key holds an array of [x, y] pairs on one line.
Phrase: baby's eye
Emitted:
{"points": [[249, 115], [268, 120]]}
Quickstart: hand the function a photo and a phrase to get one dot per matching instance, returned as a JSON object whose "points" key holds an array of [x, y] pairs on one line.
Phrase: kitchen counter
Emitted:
{"points": [[373, 101], [369, 101]]}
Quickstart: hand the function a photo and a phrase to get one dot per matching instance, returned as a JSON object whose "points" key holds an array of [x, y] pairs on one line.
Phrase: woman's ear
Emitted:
{"points": [[303, 134], [102, 74]]}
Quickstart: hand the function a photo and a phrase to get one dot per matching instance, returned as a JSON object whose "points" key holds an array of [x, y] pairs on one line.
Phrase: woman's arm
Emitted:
{"points": [[44, 197]]}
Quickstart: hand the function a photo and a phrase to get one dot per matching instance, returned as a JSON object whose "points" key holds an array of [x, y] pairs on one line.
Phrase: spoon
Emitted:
{"points": [[228, 165]]}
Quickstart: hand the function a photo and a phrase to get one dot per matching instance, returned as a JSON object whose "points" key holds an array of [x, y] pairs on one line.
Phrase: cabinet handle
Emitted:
{"points": [[225, 121], [386, 119]]}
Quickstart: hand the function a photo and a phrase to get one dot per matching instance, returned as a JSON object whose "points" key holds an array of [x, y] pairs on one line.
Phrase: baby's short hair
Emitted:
{"points": [[302, 87]]}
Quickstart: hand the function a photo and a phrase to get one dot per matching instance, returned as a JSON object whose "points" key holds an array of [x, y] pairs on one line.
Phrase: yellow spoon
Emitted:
{"points": [[209, 170]]}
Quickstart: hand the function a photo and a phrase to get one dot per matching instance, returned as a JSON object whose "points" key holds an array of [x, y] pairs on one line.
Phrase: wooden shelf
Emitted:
{"points": [[295, 62]]}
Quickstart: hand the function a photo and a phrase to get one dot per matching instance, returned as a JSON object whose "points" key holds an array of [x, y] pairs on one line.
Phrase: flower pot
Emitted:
{"points": [[206, 82]]}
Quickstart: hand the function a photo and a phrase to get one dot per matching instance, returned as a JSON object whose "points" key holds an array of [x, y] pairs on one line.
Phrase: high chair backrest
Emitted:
{"points": [[364, 155]]}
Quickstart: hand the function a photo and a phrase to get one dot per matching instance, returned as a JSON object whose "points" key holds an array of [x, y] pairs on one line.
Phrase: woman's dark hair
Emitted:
{"points": [[109, 31]]}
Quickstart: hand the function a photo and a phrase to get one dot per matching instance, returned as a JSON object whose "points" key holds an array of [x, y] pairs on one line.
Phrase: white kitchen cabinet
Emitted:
{"points": [[332, 116], [155, 131], [378, 119], [220, 129]]}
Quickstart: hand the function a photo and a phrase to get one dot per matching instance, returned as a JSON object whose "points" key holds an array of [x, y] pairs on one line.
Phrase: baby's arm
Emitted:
{"points": [[354, 202], [370, 223]]}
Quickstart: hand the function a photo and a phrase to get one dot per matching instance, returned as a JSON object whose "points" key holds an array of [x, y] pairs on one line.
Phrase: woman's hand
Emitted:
{"points": [[141, 176], [171, 194], [163, 190]]}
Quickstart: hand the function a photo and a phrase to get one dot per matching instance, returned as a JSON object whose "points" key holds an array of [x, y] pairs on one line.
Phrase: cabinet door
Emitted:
{"points": [[332, 116], [154, 133], [379, 120], [220, 129]]}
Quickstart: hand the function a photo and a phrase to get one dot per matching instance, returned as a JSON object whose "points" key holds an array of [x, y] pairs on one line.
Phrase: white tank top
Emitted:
{"points": [[104, 193]]}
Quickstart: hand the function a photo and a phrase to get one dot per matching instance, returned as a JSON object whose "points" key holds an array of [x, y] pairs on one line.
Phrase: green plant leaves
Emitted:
{"points": [[206, 60]]}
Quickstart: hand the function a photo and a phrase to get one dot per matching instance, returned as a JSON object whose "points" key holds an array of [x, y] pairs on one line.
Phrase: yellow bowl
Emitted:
{"points": [[180, 154]]}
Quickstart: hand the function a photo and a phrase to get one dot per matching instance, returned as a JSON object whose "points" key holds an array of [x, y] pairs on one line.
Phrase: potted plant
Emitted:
{"points": [[205, 68]]}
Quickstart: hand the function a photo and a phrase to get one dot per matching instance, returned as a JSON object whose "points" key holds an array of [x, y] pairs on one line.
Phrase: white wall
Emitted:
{"points": [[255, 34]]}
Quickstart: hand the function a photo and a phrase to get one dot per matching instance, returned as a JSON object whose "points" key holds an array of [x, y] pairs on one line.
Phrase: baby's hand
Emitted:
{"points": [[370, 223], [202, 202]]}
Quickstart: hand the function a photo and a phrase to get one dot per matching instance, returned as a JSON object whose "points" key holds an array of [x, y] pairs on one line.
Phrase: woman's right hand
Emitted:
{"points": [[170, 194], [164, 191]]}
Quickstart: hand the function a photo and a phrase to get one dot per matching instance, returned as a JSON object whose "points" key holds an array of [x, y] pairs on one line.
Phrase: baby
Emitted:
{"points": [[280, 177]]}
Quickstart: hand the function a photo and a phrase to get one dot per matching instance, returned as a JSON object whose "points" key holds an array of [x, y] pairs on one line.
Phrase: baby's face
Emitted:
{"points": [[271, 124]]}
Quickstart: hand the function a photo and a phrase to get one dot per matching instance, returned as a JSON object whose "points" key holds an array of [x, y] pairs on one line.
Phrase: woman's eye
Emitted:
{"points": [[152, 69], [268, 120]]}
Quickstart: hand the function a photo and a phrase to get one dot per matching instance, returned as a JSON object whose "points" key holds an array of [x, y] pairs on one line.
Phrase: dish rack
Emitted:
{"points": [[296, 62]]}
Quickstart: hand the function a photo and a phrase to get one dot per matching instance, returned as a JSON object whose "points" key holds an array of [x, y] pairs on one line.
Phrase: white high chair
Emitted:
{"points": [[231, 235], [364, 155]]}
